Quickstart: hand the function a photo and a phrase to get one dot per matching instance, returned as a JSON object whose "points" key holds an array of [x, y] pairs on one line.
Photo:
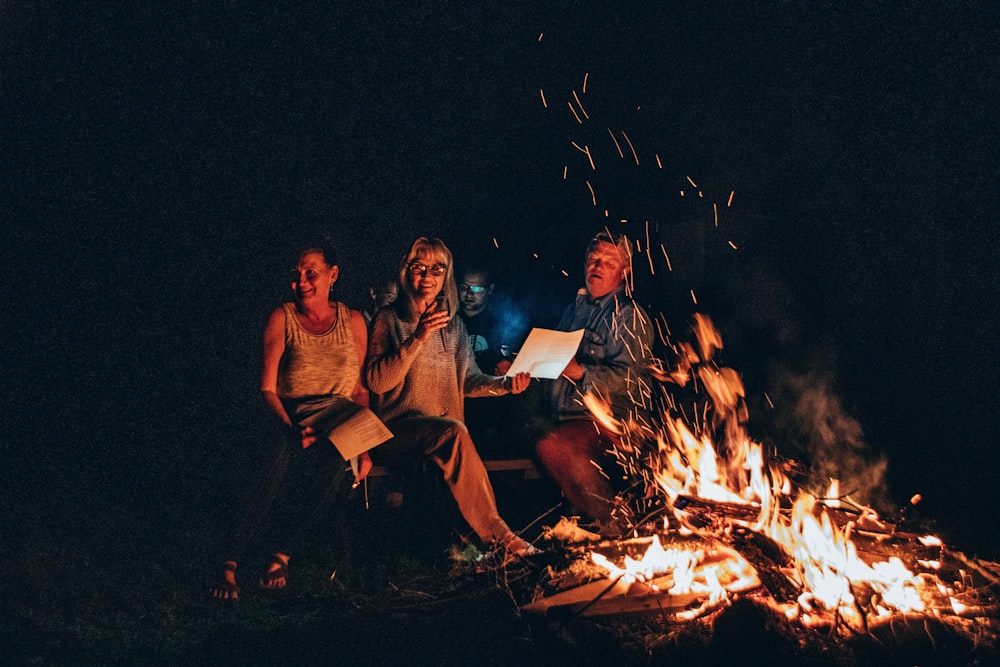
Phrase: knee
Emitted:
{"points": [[549, 449]]}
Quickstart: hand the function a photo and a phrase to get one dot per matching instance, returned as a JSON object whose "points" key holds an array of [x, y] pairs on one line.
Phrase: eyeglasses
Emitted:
{"points": [[423, 269], [475, 289]]}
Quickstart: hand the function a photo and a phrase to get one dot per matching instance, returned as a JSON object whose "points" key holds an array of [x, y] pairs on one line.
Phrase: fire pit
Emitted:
{"points": [[723, 526]]}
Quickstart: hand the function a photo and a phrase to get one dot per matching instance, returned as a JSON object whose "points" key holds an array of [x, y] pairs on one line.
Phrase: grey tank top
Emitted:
{"points": [[324, 364]]}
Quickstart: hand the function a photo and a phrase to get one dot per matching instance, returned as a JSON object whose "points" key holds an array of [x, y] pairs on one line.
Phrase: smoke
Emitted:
{"points": [[810, 417]]}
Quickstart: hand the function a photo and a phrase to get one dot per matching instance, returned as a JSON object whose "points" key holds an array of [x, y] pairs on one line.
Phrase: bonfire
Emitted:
{"points": [[717, 519]]}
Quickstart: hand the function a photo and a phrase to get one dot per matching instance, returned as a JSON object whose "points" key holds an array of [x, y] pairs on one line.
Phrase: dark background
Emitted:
{"points": [[162, 159]]}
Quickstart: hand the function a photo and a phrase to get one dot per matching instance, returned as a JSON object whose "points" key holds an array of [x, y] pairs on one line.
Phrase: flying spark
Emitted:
{"points": [[586, 151], [634, 154], [580, 104], [570, 105], [617, 145], [542, 93]]}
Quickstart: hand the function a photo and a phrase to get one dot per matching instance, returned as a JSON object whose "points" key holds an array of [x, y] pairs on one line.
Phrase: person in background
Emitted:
{"points": [[381, 294], [311, 382], [474, 292], [612, 363], [498, 424], [419, 370]]}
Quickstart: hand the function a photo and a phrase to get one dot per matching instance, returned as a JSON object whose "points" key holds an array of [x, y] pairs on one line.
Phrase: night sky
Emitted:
{"points": [[161, 161]]}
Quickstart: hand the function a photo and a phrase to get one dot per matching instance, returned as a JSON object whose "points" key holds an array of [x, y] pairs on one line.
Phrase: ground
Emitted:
{"points": [[382, 587]]}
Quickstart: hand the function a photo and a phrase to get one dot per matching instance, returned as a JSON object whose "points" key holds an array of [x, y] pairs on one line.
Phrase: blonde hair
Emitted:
{"points": [[428, 246]]}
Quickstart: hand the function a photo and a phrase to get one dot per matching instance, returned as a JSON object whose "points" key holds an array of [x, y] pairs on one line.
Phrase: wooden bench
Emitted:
{"points": [[526, 466]]}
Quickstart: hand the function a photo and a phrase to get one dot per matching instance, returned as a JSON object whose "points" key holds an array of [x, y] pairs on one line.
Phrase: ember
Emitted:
{"points": [[721, 523]]}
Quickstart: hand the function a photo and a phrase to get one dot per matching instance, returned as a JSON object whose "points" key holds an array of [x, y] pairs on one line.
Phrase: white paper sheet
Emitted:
{"points": [[359, 434], [545, 353]]}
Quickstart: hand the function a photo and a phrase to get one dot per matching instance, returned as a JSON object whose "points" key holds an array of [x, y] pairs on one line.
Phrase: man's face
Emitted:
{"points": [[473, 292], [604, 269]]}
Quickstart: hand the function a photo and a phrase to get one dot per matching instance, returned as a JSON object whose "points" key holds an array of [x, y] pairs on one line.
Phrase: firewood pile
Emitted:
{"points": [[958, 605]]}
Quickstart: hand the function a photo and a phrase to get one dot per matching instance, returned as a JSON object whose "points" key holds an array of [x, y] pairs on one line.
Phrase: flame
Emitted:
{"points": [[835, 581], [601, 410]]}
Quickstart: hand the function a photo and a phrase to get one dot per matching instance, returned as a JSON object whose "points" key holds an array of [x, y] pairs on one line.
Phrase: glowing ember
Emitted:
{"points": [[716, 461]]}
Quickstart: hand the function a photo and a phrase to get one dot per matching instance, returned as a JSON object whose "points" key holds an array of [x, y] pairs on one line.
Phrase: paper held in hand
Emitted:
{"points": [[545, 353], [359, 434]]}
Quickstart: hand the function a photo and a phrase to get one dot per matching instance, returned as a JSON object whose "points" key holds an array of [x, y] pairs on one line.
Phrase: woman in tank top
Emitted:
{"points": [[314, 351]]}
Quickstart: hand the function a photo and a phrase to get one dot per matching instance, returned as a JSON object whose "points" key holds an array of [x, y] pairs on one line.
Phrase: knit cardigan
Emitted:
{"points": [[432, 379]]}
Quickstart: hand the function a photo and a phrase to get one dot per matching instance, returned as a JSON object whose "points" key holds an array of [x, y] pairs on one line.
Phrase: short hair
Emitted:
{"points": [[324, 247], [619, 241]]}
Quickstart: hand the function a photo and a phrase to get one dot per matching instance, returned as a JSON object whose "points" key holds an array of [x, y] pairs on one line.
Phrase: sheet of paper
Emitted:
{"points": [[359, 434], [545, 353]]}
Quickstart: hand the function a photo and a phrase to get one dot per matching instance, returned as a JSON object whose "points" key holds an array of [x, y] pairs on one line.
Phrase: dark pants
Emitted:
{"points": [[296, 491]]}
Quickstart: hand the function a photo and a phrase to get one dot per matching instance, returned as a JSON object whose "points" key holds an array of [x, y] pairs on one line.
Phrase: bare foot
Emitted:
{"points": [[226, 587]]}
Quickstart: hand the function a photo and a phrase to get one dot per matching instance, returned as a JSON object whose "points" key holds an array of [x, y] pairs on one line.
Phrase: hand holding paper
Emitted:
{"points": [[546, 353]]}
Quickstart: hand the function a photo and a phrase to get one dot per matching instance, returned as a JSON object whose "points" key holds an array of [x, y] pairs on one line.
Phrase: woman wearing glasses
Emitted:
{"points": [[419, 370]]}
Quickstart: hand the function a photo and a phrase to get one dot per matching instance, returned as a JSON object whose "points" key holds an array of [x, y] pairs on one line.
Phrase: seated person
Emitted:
{"points": [[613, 356], [381, 294], [314, 349], [420, 368], [495, 423]]}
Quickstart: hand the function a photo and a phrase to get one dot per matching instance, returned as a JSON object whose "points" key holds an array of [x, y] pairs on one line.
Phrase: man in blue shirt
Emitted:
{"points": [[611, 364]]}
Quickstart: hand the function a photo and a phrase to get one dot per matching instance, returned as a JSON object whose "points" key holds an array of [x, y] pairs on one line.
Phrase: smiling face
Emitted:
{"points": [[312, 278], [605, 269], [423, 284]]}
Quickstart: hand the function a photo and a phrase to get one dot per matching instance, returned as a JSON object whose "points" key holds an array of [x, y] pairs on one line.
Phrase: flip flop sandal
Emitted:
{"points": [[269, 580]]}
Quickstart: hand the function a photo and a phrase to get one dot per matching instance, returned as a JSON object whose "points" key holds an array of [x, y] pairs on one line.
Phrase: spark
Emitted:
{"points": [[649, 255], [586, 151], [658, 163], [693, 184], [542, 93], [585, 75], [570, 105], [768, 399], [564, 273], [617, 145], [715, 212], [495, 244], [565, 169], [593, 197], [540, 36], [732, 245], [666, 257], [634, 154], [694, 298], [535, 255], [730, 202], [580, 104], [682, 193]]}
